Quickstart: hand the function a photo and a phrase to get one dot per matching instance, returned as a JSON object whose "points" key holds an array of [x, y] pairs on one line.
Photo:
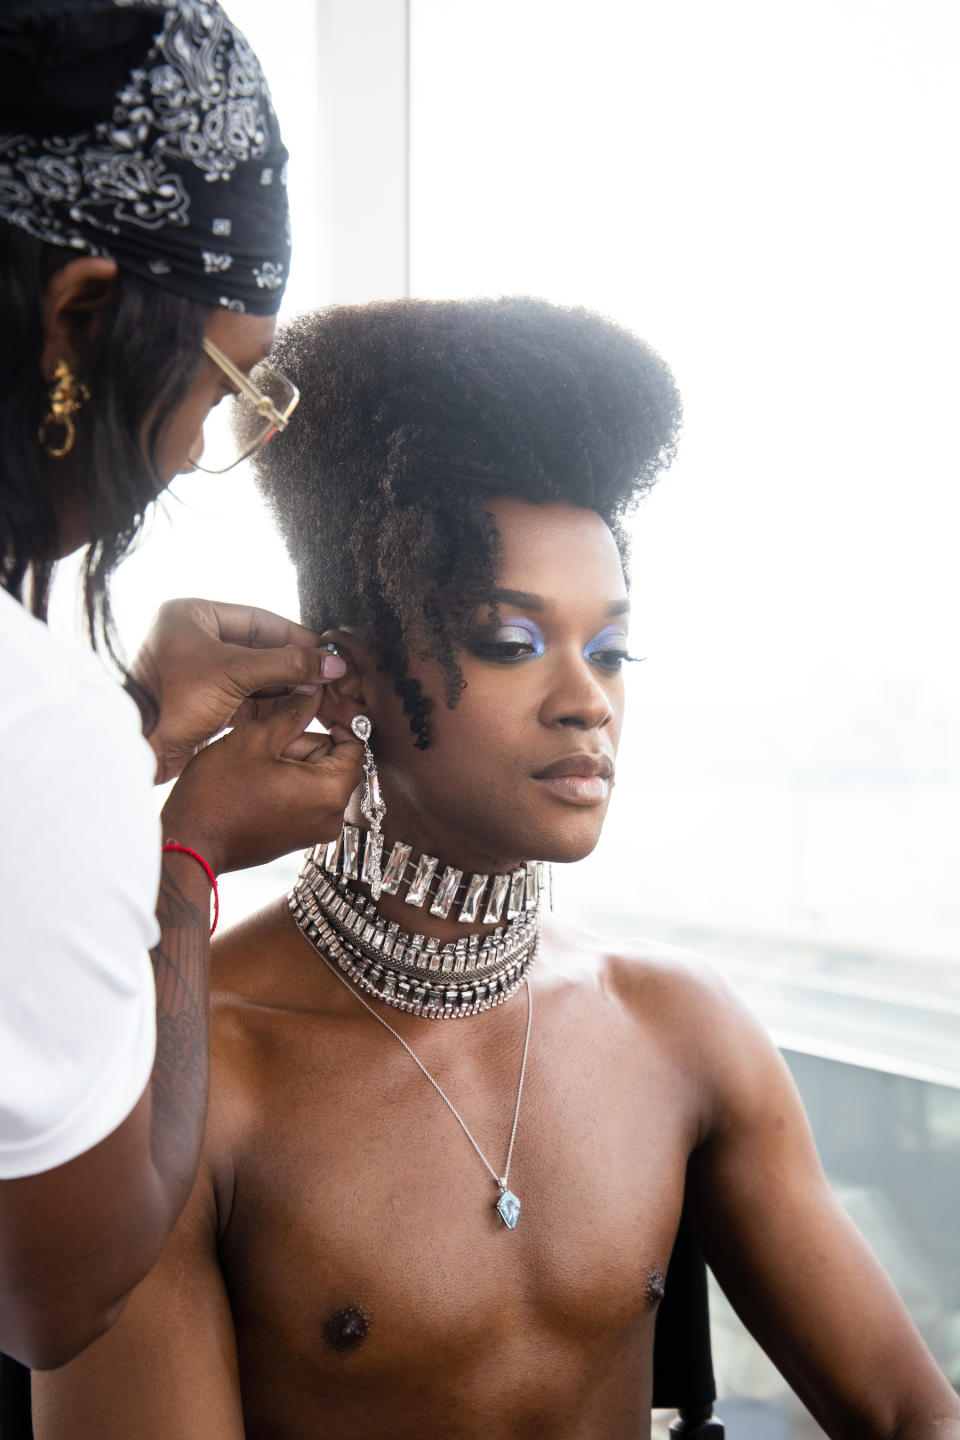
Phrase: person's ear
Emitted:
{"points": [[346, 696], [75, 300]]}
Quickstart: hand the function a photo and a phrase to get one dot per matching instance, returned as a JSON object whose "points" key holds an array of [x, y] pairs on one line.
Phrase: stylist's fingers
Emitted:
{"points": [[253, 666], [286, 721], [286, 725], [292, 668], [257, 629], [267, 789], [268, 653], [309, 747], [202, 660]]}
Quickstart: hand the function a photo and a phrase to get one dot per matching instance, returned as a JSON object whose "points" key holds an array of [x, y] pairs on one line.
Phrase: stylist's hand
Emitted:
{"points": [[209, 665], [265, 789]]}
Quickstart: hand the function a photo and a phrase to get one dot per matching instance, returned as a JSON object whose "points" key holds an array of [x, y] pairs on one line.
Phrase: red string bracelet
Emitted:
{"points": [[185, 850]]}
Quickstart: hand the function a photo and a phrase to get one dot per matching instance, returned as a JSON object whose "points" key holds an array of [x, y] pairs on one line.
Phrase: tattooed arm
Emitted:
{"points": [[77, 1238], [178, 1086]]}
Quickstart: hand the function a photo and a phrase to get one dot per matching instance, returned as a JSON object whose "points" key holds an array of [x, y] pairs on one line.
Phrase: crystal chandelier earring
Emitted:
{"points": [[371, 807]]}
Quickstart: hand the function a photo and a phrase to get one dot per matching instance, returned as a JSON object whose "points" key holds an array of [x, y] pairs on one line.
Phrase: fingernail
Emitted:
{"points": [[332, 667]]}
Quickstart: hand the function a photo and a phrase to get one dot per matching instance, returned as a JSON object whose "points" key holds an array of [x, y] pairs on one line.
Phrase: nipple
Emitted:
{"points": [[346, 1328]]}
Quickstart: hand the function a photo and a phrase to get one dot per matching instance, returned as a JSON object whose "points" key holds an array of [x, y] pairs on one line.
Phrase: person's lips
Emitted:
{"points": [[580, 779]]}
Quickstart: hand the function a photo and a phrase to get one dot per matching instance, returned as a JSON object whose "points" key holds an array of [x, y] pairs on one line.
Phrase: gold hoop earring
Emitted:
{"points": [[67, 394]]}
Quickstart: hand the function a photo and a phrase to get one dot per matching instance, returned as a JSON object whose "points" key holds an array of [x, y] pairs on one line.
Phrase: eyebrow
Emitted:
{"points": [[526, 600], [523, 599]]}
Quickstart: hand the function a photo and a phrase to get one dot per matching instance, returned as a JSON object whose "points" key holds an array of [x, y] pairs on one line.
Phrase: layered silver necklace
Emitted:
{"points": [[411, 971], [419, 975]]}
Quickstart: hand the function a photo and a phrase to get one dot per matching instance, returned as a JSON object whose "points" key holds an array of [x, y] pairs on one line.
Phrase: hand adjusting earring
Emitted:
{"points": [[67, 394], [371, 807]]}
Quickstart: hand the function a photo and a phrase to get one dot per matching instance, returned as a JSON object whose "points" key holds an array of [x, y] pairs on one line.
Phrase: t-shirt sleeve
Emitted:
{"points": [[79, 871]]}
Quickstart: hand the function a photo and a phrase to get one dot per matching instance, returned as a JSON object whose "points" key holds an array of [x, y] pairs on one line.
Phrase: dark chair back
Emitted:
{"points": [[15, 1423], [682, 1357]]}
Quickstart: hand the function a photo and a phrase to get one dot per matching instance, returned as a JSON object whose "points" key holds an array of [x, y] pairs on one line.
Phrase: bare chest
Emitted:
{"points": [[364, 1234]]}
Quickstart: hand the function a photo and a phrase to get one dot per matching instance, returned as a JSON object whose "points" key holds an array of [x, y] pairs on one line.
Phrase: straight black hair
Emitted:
{"points": [[137, 364]]}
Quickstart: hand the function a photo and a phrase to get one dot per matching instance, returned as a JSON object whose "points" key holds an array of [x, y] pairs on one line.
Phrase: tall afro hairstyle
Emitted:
{"points": [[414, 415]]}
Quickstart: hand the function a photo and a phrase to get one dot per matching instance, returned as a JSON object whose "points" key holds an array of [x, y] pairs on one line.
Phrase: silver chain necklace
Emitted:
{"points": [[411, 972], [508, 1204]]}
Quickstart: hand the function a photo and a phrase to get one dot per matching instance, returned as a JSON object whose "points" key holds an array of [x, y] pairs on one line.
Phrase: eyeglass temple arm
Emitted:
{"points": [[243, 383]]}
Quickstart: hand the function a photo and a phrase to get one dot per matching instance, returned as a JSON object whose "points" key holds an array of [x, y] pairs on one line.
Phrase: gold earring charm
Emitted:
{"points": [[67, 394]]}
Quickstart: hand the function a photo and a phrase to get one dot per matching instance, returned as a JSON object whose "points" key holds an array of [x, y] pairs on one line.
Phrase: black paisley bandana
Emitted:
{"points": [[144, 130]]}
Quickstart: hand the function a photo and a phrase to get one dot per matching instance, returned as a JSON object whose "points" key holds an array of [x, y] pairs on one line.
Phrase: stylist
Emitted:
{"points": [[143, 253]]}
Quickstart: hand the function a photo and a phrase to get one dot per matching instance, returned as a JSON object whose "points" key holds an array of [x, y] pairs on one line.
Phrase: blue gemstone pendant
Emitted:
{"points": [[508, 1208]]}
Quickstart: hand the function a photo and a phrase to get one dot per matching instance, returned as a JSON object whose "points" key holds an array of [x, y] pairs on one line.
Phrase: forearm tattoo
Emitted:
{"points": [[180, 1072]]}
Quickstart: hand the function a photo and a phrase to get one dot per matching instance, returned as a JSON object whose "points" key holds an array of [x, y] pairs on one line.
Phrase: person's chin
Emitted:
{"points": [[573, 835], [542, 829]]}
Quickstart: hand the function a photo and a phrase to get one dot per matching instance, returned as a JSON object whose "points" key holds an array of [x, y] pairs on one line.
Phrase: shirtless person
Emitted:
{"points": [[341, 1269]]}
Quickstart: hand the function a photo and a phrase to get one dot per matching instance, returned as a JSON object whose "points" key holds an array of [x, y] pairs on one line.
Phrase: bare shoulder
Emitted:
{"points": [[244, 965], [649, 978], [244, 958], [259, 988], [683, 1005]]}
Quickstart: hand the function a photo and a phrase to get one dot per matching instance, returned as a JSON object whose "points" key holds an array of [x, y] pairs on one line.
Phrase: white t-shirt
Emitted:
{"points": [[79, 871]]}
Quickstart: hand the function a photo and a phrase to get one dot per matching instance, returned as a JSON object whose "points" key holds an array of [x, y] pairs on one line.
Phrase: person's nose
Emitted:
{"points": [[578, 696]]}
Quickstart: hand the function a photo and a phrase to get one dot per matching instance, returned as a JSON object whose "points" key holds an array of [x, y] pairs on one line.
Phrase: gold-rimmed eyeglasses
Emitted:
{"points": [[259, 408]]}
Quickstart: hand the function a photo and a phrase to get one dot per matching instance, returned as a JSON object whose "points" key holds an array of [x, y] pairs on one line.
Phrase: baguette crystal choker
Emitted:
{"points": [[413, 972], [451, 893]]}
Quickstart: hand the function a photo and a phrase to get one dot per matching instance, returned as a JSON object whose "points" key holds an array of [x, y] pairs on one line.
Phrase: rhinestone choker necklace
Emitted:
{"points": [[452, 895], [412, 972]]}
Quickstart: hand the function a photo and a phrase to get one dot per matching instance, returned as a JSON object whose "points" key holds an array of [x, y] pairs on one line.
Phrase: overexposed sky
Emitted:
{"points": [[763, 192]]}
